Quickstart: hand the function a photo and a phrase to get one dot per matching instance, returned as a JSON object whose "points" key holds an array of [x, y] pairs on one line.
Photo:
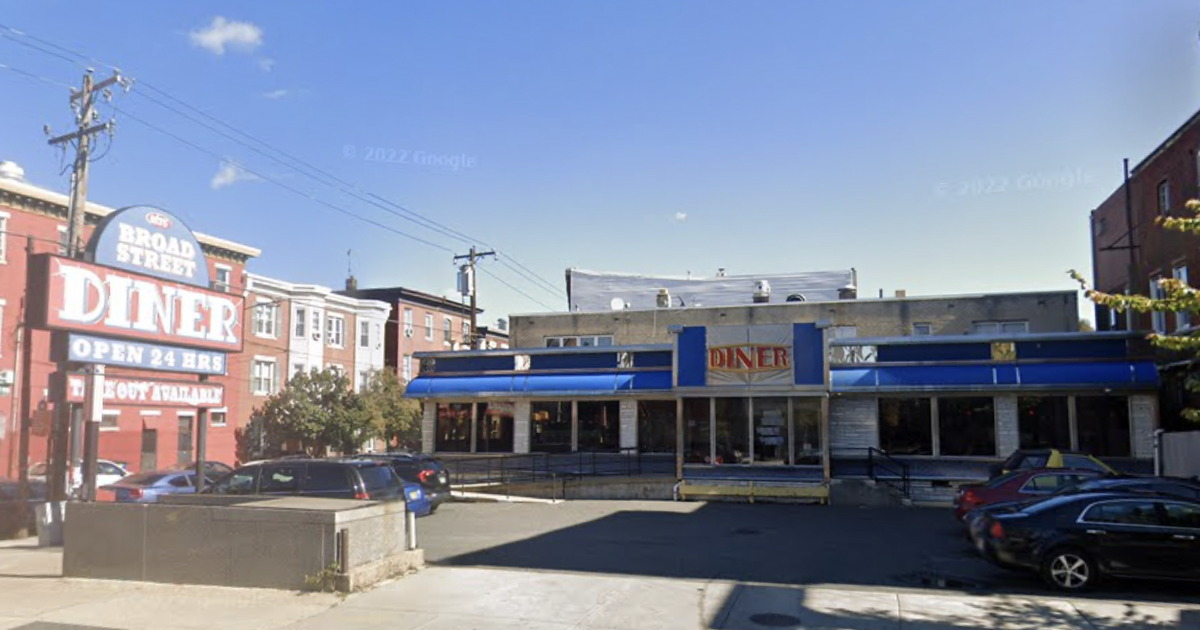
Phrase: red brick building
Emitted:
{"points": [[33, 221], [1131, 251]]}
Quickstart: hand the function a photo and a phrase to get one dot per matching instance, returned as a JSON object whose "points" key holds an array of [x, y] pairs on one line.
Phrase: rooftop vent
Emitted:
{"points": [[762, 292], [12, 171]]}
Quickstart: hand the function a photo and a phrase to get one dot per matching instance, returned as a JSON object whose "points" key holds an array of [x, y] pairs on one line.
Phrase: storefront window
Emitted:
{"points": [[1103, 425], [1043, 422], [967, 426], [806, 431], [770, 431], [494, 425], [453, 428], [656, 426], [550, 427], [733, 430], [905, 426], [696, 436], [599, 425]]}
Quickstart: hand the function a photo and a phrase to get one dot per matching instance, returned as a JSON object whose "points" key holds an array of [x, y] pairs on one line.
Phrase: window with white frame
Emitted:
{"points": [[428, 327], [583, 341], [224, 278], [363, 377], [3, 237], [262, 377], [266, 319], [922, 329], [999, 327], [316, 325], [1182, 318], [364, 334], [300, 319], [406, 368], [448, 331], [63, 237], [110, 420], [1158, 319], [335, 331], [1164, 197], [217, 417], [408, 322], [466, 336]]}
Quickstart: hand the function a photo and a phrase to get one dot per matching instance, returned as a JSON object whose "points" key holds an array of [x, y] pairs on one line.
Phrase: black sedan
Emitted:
{"points": [[1074, 540]]}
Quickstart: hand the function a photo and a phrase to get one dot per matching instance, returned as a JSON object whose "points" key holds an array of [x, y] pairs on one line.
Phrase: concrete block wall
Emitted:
{"points": [[522, 426], [629, 432], [1143, 420], [853, 422], [1008, 435], [428, 425]]}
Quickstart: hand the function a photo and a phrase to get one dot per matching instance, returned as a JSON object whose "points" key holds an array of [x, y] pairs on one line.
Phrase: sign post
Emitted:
{"points": [[93, 410]]}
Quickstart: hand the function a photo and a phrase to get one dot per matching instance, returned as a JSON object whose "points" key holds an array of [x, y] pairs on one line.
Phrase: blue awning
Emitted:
{"points": [[538, 384], [1103, 374]]}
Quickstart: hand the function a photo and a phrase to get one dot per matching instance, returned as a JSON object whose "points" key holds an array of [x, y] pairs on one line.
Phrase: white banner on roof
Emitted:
{"points": [[596, 291]]}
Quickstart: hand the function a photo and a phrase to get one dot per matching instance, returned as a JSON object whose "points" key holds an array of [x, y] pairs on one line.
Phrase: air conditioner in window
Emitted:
{"points": [[408, 332]]}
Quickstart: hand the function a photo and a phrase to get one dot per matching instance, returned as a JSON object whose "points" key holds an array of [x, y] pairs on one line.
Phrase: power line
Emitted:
{"points": [[506, 283], [344, 186], [35, 76]]}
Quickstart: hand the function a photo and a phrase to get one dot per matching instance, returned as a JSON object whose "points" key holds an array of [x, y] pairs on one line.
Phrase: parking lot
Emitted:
{"points": [[779, 544]]}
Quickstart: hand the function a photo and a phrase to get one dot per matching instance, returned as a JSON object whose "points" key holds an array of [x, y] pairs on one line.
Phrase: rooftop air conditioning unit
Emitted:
{"points": [[663, 300]]}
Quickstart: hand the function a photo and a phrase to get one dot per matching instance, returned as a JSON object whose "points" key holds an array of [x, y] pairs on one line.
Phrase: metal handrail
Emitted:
{"points": [[508, 468], [880, 458]]}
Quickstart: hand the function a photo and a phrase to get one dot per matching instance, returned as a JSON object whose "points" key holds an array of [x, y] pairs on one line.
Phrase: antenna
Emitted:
{"points": [[349, 263]]}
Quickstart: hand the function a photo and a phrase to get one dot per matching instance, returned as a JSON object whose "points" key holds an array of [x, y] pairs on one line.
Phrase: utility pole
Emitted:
{"points": [[467, 284], [87, 122]]}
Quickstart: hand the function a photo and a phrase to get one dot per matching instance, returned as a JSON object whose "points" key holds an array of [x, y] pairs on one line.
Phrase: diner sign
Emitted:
{"points": [[149, 241], [750, 355], [121, 390], [146, 356], [88, 298]]}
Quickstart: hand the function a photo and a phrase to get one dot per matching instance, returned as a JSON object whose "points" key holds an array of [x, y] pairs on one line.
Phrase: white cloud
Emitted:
{"points": [[266, 64], [229, 174], [275, 95], [681, 216], [224, 33]]}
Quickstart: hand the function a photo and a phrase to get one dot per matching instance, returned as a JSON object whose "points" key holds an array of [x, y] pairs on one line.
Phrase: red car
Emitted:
{"points": [[1018, 485]]}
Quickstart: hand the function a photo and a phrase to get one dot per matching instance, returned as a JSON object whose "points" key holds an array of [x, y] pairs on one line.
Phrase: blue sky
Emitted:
{"points": [[935, 145]]}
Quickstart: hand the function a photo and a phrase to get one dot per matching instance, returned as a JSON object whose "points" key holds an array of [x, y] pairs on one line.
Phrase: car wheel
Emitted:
{"points": [[1069, 569]]}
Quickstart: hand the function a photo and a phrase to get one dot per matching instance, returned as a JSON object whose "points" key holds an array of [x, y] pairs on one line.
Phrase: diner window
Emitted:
{"points": [[1158, 319], [967, 426], [1182, 318], [266, 319], [697, 433], [733, 430], [550, 430], [453, 428], [599, 425], [922, 329], [1043, 422], [999, 327], [656, 426], [494, 427], [428, 327], [906, 426], [585, 341], [300, 318], [806, 431], [335, 331], [770, 431], [1164, 197], [1102, 423]]}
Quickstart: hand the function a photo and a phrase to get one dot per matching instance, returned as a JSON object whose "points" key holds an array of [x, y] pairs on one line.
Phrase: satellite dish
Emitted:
{"points": [[617, 304]]}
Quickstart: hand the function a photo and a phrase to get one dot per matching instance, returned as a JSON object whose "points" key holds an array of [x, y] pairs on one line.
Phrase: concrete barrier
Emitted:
{"points": [[288, 543]]}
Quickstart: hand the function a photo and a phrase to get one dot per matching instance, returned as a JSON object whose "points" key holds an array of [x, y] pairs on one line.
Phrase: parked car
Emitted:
{"points": [[148, 487], [212, 469], [358, 478], [107, 472], [1025, 459], [1074, 540], [17, 514], [1017, 485], [421, 468]]}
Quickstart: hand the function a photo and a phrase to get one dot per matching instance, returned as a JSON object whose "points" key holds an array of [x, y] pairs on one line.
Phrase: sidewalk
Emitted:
{"points": [[452, 598]]}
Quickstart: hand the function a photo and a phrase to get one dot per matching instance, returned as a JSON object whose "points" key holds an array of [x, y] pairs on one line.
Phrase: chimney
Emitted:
{"points": [[351, 283], [901, 293]]}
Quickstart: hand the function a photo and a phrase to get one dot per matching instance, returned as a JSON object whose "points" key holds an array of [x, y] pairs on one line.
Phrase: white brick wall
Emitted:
{"points": [[428, 425], [1143, 419], [629, 429], [853, 422], [521, 426], [1008, 436]]}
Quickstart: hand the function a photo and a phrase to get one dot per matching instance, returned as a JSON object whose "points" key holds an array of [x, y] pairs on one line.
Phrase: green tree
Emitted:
{"points": [[395, 418], [1177, 297], [315, 412]]}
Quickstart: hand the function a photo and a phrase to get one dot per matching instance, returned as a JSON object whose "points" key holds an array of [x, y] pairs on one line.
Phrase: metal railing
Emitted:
{"points": [[895, 473], [504, 469]]}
